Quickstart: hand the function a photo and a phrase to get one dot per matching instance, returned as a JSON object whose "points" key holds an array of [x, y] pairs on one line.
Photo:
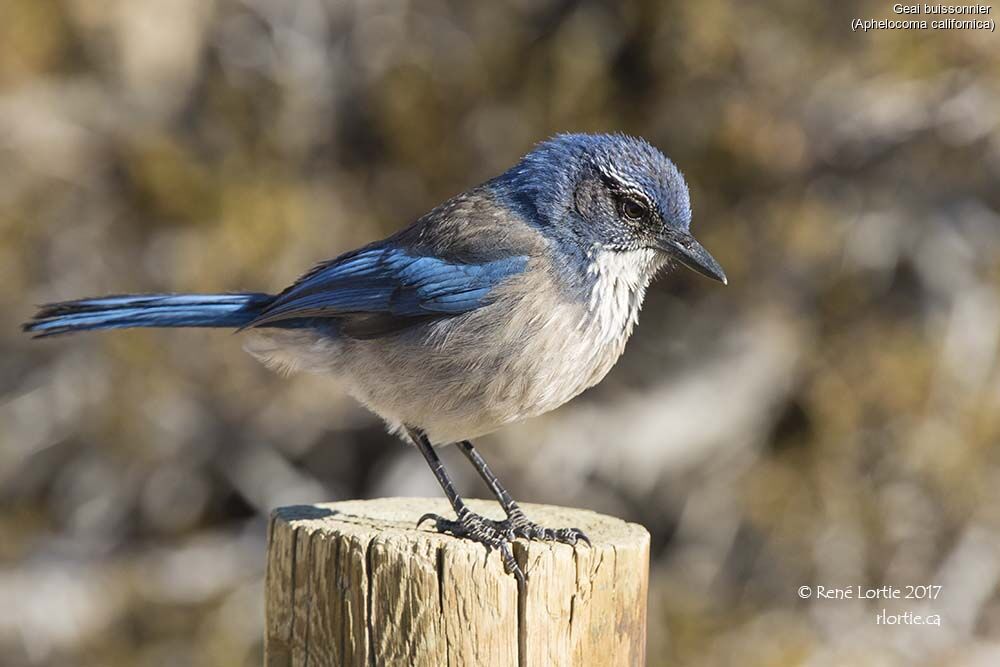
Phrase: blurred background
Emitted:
{"points": [[830, 418]]}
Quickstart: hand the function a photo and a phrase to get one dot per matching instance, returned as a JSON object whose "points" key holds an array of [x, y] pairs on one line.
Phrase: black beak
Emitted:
{"points": [[686, 250]]}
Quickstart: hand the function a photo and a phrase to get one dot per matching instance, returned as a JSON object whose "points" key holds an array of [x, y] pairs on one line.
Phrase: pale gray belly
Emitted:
{"points": [[462, 377], [471, 375], [528, 352]]}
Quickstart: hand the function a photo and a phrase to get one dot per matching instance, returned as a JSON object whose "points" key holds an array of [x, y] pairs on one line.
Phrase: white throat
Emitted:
{"points": [[619, 289]]}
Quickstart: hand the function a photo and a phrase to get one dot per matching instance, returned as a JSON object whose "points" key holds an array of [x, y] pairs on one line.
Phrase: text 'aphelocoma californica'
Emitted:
{"points": [[503, 303]]}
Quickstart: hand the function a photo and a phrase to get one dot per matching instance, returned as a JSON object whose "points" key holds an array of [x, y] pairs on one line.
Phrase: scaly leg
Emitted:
{"points": [[472, 526], [516, 520]]}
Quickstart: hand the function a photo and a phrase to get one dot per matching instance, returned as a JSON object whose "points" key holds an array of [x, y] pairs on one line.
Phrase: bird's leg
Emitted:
{"points": [[472, 526], [516, 520]]}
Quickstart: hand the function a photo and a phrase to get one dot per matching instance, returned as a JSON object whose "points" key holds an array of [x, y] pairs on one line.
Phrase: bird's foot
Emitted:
{"points": [[500, 534], [521, 526], [492, 534]]}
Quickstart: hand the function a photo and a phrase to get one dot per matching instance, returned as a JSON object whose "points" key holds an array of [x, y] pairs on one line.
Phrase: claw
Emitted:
{"points": [[521, 526], [499, 534], [511, 566], [491, 534]]}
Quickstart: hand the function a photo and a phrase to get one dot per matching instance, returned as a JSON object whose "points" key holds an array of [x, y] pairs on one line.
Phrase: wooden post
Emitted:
{"points": [[357, 584]]}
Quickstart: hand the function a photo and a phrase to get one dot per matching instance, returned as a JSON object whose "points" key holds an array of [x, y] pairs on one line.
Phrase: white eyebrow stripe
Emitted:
{"points": [[618, 177], [629, 186]]}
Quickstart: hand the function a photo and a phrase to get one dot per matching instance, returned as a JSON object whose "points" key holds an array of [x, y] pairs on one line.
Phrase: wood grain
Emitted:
{"points": [[356, 583]]}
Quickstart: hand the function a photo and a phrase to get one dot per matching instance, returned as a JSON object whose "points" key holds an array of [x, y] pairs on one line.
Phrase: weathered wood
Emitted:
{"points": [[356, 583]]}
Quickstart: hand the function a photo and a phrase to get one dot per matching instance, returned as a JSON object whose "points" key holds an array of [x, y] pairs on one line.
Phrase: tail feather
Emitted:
{"points": [[147, 310]]}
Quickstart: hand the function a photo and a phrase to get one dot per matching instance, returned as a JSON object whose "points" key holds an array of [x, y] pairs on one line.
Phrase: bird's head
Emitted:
{"points": [[613, 193]]}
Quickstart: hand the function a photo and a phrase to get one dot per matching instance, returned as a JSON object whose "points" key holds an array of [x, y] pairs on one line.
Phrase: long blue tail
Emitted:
{"points": [[147, 310]]}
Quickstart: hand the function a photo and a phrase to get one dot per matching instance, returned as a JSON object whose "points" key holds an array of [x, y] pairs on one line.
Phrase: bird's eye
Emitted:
{"points": [[633, 209]]}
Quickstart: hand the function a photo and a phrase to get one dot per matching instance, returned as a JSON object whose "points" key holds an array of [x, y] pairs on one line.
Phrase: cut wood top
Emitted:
{"points": [[356, 581]]}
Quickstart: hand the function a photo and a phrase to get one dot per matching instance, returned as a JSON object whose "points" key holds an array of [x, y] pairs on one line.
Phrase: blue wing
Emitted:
{"points": [[389, 287]]}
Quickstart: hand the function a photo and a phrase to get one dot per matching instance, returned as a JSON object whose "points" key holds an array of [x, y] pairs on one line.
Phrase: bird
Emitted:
{"points": [[501, 304]]}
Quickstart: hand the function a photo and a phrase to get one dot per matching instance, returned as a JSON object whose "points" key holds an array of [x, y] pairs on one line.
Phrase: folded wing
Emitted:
{"points": [[380, 289]]}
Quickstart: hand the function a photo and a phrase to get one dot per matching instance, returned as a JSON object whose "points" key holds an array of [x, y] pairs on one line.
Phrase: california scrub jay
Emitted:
{"points": [[502, 303]]}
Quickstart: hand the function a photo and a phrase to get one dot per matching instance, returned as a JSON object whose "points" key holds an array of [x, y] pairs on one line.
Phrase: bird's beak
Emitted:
{"points": [[686, 250]]}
